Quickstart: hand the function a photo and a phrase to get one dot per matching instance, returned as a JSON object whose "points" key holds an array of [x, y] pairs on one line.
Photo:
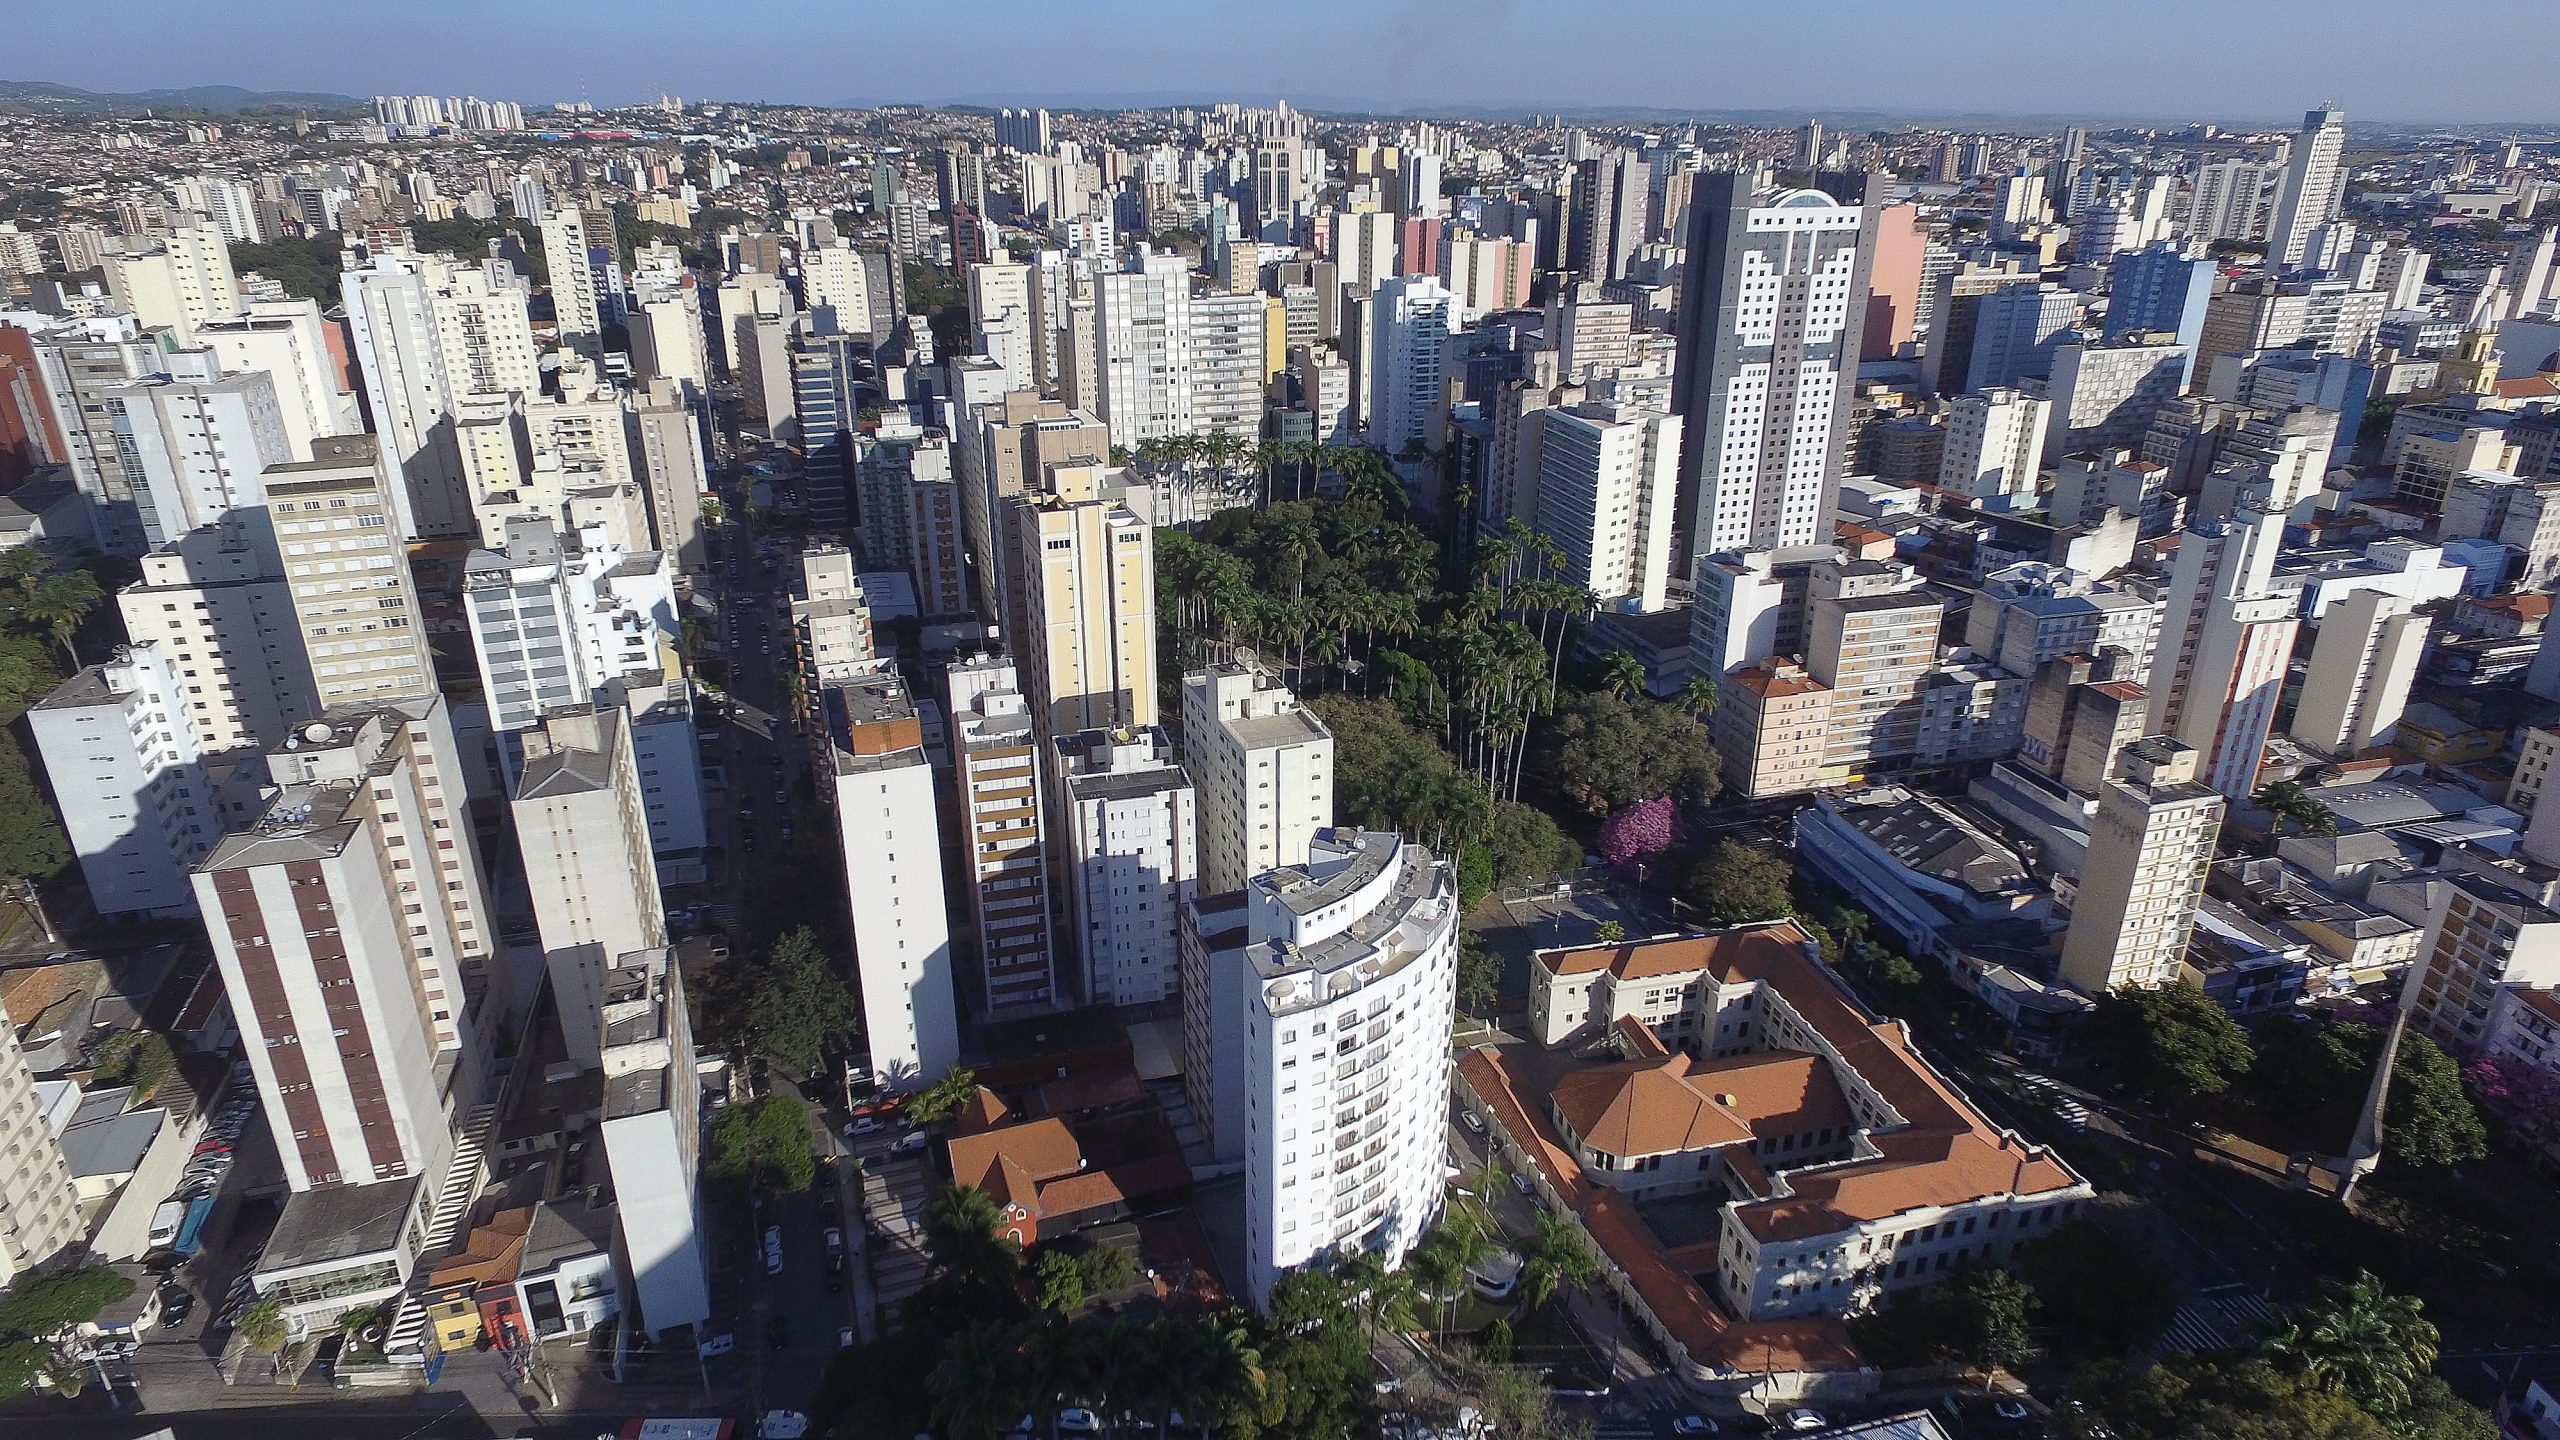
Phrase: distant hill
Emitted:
{"points": [[43, 97]]}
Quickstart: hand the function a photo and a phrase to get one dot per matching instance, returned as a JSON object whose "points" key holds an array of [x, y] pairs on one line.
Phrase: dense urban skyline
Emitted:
{"points": [[1976, 57]]}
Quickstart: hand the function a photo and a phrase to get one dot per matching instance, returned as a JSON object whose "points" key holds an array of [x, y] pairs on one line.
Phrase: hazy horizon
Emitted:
{"points": [[2468, 62]]}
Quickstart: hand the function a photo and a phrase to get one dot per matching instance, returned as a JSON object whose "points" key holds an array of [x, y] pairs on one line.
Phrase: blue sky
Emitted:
{"points": [[2232, 60]]}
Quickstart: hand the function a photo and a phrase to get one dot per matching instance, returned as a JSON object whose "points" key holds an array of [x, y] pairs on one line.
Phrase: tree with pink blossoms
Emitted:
{"points": [[1635, 833], [2523, 1097]]}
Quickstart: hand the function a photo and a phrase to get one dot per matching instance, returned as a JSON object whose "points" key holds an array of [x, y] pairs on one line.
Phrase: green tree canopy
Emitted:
{"points": [[2314, 1076], [141, 1059], [1738, 883], [792, 1005], [2172, 1044], [2360, 1341], [2096, 1295], [765, 1143], [936, 1103], [1598, 752]]}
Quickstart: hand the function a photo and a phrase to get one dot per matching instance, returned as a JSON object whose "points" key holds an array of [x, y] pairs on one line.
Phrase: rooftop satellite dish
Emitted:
{"points": [[315, 732]]}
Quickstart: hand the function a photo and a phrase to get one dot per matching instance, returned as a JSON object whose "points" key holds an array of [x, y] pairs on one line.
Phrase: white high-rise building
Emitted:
{"points": [[1142, 317], [583, 831], [1772, 314], [892, 846], [1348, 994], [2149, 851], [1129, 842], [996, 762], [354, 1028], [426, 336], [573, 280], [129, 782], [653, 1139], [1994, 445], [1263, 763], [1608, 492], [1229, 374], [39, 1202], [195, 449], [2314, 188], [1364, 252], [2362, 665], [835, 277], [556, 617], [2225, 640], [2234, 200], [289, 340], [1410, 320], [178, 279]]}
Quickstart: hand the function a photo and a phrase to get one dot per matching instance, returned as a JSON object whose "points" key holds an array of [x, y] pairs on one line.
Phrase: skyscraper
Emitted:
{"points": [[574, 302], [2362, 666], [1409, 325], [2314, 186], [882, 787], [1771, 318], [2224, 643], [1611, 194], [1129, 843], [1085, 631], [1263, 763], [1608, 486], [996, 763], [1351, 973], [584, 833], [2149, 851]]}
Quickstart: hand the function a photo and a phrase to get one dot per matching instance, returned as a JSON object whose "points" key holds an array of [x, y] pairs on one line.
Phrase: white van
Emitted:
{"points": [[165, 1222]]}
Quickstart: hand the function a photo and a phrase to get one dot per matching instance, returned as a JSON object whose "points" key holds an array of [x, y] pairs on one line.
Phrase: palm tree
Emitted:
{"points": [[978, 1390], [1622, 674], [60, 603], [2290, 800], [963, 1232], [1383, 1296], [1697, 696], [263, 1328], [2360, 1341], [1557, 1258]]}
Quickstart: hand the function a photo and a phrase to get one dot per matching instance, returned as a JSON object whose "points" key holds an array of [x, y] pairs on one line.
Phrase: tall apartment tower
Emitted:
{"points": [[1003, 827], [348, 574], [1263, 763], [1351, 973], [2149, 851], [1871, 638], [2314, 186], [1001, 449], [197, 447], [276, 615], [351, 1027], [1995, 445], [39, 1203], [1129, 849], [289, 340], [652, 1130], [1611, 198], [129, 782], [1085, 625], [1608, 489], [583, 830], [1142, 315], [2362, 666], [2225, 640], [1410, 321], [1771, 320], [178, 279], [891, 839], [573, 280]]}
